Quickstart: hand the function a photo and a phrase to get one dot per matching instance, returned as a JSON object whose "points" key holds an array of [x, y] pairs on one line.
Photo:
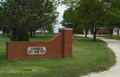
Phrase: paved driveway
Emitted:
{"points": [[115, 70]]}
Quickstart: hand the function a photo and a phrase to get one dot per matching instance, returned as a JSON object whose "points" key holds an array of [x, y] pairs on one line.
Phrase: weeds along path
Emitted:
{"points": [[115, 70]]}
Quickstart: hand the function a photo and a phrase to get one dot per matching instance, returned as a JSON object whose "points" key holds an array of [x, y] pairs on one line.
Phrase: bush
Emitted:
{"points": [[99, 32], [23, 35], [106, 32]]}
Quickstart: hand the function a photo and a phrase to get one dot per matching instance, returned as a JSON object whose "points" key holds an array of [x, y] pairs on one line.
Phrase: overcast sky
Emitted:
{"points": [[60, 9]]}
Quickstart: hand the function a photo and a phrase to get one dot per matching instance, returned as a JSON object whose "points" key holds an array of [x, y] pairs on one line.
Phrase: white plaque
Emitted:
{"points": [[36, 50]]}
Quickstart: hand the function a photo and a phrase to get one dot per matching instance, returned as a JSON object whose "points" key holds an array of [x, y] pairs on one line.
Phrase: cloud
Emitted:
{"points": [[61, 9]]}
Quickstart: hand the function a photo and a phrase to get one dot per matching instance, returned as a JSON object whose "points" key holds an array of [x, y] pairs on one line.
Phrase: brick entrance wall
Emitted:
{"points": [[60, 45]]}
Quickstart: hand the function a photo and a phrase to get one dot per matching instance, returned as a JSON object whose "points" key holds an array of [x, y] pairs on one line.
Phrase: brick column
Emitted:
{"points": [[67, 41]]}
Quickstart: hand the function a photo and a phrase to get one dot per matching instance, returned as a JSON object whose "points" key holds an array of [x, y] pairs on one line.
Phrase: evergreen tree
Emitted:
{"points": [[29, 14]]}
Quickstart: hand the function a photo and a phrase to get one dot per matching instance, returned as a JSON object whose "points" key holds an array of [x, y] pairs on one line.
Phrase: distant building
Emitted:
{"points": [[102, 30]]}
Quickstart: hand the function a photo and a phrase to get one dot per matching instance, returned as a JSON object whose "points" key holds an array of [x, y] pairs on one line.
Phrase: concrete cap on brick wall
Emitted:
{"points": [[65, 28]]}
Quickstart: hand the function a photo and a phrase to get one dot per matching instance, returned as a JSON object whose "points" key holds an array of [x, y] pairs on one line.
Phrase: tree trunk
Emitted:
{"points": [[9, 36], [111, 35], [94, 36], [14, 34], [30, 33], [34, 34], [95, 32], [86, 32], [4, 30], [111, 32]]}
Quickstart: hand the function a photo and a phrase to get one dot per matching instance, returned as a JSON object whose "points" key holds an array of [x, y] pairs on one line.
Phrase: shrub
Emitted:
{"points": [[23, 35], [106, 32], [99, 32]]}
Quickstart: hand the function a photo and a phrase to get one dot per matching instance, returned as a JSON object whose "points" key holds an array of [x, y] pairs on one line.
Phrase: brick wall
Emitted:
{"points": [[60, 45]]}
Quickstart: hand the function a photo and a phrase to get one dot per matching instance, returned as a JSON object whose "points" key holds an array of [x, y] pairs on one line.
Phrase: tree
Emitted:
{"points": [[1, 24], [26, 14], [71, 19], [91, 13], [0, 17], [112, 16], [46, 18], [111, 20], [50, 29]]}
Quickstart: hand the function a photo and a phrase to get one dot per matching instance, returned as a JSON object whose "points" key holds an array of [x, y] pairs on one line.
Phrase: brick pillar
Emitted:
{"points": [[67, 41]]}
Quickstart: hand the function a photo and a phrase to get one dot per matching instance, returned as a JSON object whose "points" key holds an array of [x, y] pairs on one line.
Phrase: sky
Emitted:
{"points": [[60, 9]]}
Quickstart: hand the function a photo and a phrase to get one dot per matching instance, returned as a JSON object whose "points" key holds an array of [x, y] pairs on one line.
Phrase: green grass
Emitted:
{"points": [[88, 56], [117, 37]]}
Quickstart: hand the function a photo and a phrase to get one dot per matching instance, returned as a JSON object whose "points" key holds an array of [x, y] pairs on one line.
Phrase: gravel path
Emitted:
{"points": [[115, 70]]}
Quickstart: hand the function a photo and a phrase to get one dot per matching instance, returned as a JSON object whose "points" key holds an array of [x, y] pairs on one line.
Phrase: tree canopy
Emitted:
{"points": [[27, 14], [92, 14]]}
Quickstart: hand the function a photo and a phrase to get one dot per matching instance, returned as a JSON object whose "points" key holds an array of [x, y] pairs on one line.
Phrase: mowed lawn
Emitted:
{"points": [[88, 56], [117, 37]]}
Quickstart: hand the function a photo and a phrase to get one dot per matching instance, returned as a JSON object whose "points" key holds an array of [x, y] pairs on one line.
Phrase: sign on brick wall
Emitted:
{"points": [[36, 50], [60, 45]]}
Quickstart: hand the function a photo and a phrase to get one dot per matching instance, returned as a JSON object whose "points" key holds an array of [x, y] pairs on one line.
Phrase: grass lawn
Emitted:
{"points": [[108, 36], [88, 56]]}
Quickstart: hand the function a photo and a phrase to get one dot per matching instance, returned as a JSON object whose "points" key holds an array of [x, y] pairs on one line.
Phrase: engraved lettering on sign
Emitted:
{"points": [[36, 50]]}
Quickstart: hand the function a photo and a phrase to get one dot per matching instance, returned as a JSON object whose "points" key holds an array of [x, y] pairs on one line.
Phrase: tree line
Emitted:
{"points": [[92, 14], [18, 18]]}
